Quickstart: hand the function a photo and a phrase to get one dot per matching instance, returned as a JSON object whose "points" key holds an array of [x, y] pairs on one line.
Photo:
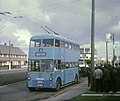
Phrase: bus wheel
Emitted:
{"points": [[58, 85], [76, 79], [31, 88]]}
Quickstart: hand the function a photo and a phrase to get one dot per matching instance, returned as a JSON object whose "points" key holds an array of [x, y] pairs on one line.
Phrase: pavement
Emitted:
{"points": [[79, 89], [74, 91], [12, 76], [70, 93], [16, 70]]}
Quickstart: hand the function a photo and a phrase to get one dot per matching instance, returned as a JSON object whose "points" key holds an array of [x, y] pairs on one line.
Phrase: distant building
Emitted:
{"points": [[13, 55], [85, 54], [118, 58]]}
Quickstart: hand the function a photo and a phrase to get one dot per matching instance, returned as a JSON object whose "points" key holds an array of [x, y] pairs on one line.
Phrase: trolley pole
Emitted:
{"points": [[92, 43]]}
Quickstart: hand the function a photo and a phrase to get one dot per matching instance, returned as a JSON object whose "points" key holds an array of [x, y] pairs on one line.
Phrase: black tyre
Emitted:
{"points": [[58, 85], [31, 89], [76, 79]]}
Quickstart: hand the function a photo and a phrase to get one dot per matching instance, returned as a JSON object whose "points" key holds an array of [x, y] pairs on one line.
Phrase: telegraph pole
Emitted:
{"points": [[9, 56], [113, 51], [92, 43], [107, 51]]}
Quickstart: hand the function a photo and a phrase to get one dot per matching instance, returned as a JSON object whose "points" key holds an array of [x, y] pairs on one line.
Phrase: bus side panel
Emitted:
{"points": [[57, 54], [70, 74], [59, 74]]}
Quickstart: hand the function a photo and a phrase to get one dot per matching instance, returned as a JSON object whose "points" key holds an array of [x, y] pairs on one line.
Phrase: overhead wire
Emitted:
{"points": [[48, 7], [28, 13], [54, 6]]}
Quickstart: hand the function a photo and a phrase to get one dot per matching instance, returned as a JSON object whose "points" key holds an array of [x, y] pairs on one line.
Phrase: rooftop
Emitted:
{"points": [[4, 49]]}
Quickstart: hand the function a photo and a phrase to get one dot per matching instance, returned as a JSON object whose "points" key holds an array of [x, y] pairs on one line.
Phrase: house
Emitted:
{"points": [[11, 55]]}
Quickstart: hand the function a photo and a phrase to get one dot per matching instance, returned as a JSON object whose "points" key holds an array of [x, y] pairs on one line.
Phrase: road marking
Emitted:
{"points": [[11, 84], [112, 94], [3, 86]]}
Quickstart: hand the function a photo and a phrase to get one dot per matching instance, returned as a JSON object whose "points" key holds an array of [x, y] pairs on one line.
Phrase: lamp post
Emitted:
{"points": [[92, 43], [110, 38], [107, 52], [9, 57], [113, 51]]}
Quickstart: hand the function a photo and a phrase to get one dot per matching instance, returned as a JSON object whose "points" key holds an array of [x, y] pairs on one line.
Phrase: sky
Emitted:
{"points": [[21, 19]]}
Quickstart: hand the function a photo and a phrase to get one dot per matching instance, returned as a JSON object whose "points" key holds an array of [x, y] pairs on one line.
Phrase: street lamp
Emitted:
{"points": [[113, 51], [9, 57], [92, 43], [110, 38], [107, 52]]}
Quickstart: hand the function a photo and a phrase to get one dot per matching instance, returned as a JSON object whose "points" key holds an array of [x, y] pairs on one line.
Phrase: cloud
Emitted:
{"points": [[6, 32], [116, 28], [70, 18], [23, 38], [18, 37], [22, 35]]}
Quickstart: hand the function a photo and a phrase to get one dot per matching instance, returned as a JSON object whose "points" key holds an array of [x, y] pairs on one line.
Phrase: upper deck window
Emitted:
{"points": [[35, 43], [57, 43], [32, 44], [42, 43], [62, 44], [70, 46], [47, 42], [66, 45]]}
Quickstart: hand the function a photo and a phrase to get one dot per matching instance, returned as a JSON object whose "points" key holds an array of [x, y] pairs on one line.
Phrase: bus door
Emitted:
{"points": [[60, 70], [67, 75]]}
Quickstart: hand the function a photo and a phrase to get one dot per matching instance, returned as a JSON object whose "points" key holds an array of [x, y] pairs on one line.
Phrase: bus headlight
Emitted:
{"points": [[50, 78], [29, 78]]}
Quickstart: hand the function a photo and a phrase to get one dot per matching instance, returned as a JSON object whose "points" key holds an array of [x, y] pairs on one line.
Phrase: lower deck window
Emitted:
{"points": [[41, 65]]}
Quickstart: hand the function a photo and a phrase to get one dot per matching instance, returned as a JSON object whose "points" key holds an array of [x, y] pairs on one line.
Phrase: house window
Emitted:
{"points": [[87, 50], [81, 50]]}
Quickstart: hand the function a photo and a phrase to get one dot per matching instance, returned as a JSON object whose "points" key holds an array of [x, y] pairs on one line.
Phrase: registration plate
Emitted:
{"points": [[40, 85]]}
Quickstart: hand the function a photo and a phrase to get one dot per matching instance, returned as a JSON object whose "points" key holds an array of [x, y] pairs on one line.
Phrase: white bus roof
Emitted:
{"points": [[53, 36]]}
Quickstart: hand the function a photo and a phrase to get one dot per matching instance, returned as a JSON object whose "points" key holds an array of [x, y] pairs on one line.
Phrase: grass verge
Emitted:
{"points": [[96, 98]]}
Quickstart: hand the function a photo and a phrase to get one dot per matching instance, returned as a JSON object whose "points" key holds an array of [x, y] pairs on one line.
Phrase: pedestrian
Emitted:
{"points": [[107, 77], [102, 78], [118, 69], [98, 74], [114, 78], [88, 74]]}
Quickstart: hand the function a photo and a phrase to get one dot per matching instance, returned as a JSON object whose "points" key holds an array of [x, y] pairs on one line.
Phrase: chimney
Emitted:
{"points": [[11, 45], [5, 44]]}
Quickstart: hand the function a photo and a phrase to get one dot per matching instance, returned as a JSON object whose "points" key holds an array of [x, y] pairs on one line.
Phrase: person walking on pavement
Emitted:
{"points": [[118, 69], [102, 79], [114, 78], [107, 77], [98, 75], [88, 73]]}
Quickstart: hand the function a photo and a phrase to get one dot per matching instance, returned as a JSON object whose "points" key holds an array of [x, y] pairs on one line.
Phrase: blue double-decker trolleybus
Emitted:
{"points": [[52, 61]]}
